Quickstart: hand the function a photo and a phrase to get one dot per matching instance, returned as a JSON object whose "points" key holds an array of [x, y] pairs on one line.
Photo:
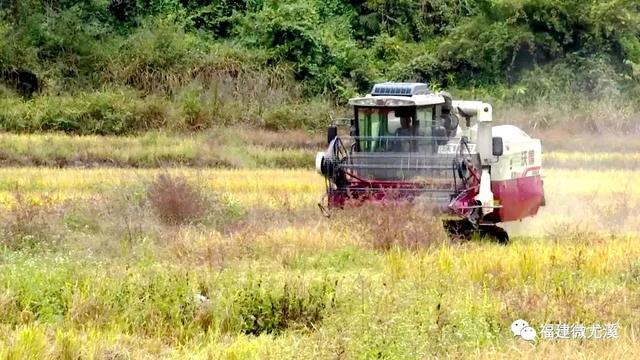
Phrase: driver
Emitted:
{"points": [[404, 130]]}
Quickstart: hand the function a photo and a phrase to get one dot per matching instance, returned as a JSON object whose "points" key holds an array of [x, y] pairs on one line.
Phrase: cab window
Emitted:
{"points": [[371, 123], [425, 119], [394, 129]]}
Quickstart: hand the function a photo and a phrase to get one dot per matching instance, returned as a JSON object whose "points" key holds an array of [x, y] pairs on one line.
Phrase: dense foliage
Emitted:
{"points": [[207, 58]]}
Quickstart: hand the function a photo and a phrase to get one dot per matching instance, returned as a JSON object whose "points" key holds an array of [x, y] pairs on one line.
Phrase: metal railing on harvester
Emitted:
{"points": [[425, 166]]}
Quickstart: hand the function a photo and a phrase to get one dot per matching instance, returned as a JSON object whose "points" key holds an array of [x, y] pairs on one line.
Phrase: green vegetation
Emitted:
{"points": [[125, 66]]}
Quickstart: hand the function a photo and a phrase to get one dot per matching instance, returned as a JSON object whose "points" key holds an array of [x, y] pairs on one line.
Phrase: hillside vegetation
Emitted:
{"points": [[125, 66]]}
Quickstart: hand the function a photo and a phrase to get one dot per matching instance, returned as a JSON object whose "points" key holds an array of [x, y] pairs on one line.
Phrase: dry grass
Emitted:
{"points": [[400, 225], [28, 222], [175, 201], [292, 139]]}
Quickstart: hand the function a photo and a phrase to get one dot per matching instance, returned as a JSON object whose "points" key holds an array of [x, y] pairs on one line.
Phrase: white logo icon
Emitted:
{"points": [[521, 328], [528, 333], [517, 326]]}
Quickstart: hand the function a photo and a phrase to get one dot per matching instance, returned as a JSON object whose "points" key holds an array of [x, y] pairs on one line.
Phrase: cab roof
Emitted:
{"points": [[398, 94], [387, 101], [400, 89]]}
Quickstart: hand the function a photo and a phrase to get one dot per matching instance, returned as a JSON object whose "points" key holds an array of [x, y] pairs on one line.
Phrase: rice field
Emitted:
{"points": [[227, 148], [252, 148], [88, 269]]}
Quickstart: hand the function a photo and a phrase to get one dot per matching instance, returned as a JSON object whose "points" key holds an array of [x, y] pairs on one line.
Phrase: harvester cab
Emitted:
{"points": [[405, 142]]}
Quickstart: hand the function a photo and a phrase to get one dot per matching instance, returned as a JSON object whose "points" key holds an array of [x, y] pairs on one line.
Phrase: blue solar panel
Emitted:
{"points": [[400, 89]]}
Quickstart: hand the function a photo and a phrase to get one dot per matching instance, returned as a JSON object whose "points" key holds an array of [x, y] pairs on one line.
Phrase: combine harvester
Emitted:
{"points": [[407, 143]]}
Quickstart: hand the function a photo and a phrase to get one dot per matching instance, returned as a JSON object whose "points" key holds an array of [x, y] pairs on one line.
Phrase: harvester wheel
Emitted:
{"points": [[495, 232], [461, 230], [464, 230]]}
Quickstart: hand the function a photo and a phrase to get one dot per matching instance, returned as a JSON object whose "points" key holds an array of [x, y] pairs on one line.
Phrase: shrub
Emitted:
{"points": [[288, 32], [153, 58], [307, 115], [27, 223], [175, 201], [122, 9], [86, 113], [263, 310], [401, 225], [216, 16]]}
